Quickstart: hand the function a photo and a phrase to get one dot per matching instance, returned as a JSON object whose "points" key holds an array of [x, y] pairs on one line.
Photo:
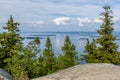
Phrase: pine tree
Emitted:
{"points": [[10, 42], [69, 57], [32, 50], [16, 66], [49, 59], [31, 54], [107, 49], [90, 49], [25, 64]]}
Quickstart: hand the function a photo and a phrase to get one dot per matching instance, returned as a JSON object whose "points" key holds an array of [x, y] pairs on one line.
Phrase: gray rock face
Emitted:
{"points": [[86, 72], [4, 75]]}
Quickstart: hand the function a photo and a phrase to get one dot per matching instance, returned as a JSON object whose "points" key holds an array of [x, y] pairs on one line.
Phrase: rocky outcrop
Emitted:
{"points": [[4, 75], [86, 72]]}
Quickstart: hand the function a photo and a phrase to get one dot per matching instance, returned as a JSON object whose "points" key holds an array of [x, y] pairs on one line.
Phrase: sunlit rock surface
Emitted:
{"points": [[86, 72]]}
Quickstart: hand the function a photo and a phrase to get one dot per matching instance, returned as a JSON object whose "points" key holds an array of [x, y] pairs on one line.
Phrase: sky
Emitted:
{"points": [[57, 15]]}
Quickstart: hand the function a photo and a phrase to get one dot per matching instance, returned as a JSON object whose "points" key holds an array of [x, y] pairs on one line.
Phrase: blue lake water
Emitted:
{"points": [[57, 39]]}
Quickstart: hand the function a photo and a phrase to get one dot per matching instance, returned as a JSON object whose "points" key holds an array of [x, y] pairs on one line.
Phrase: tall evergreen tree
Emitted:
{"points": [[49, 59], [107, 49], [10, 42], [31, 54], [32, 50], [16, 66], [25, 63], [69, 57], [90, 49]]}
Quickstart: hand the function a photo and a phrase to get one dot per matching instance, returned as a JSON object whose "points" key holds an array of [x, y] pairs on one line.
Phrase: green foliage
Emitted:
{"points": [[108, 47], [69, 56], [31, 54], [16, 65], [106, 51], [26, 62], [10, 42], [89, 55], [22, 76], [32, 50], [14, 57], [48, 58], [38, 68], [11, 47]]}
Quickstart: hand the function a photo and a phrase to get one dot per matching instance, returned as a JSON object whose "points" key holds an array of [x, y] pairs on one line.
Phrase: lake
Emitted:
{"points": [[57, 39]]}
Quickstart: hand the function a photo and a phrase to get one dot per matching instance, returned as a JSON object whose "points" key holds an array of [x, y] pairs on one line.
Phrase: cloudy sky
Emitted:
{"points": [[57, 15]]}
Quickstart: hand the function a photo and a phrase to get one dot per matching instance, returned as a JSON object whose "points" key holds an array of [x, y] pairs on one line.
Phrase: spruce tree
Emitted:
{"points": [[69, 57], [16, 66], [10, 42], [31, 54], [32, 50], [25, 63], [107, 49], [49, 59], [90, 49]]}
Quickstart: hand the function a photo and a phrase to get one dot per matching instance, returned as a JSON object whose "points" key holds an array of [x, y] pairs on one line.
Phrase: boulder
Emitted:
{"points": [[86, 72], [5, 75]]}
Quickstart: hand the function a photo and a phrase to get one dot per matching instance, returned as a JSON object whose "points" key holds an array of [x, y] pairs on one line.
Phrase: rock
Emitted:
{"points": [[5, 75], [86, 72]]}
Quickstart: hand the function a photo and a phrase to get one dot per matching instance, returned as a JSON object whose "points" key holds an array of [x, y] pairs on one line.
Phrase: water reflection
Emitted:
{"points": [[79, 40], [59, 42]]}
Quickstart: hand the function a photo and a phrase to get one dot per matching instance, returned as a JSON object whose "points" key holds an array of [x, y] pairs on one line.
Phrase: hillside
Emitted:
{"points": [[86, 72]]}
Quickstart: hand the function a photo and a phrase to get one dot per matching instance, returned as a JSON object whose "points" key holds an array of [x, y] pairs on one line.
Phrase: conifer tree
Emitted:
{"points": [[69, 57], [31, 54], [32, 50], [25, 63], [16, 66], [90, 49], [49, 59], [10, 42], [107, 49]]}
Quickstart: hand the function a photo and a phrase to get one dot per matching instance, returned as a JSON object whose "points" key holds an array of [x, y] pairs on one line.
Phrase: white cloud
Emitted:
{"points": [[59, 42], [81, 21], [35, 10], [61, 20], [115, 19], [84, 20], [80, 24], [40, 22], [97, 20]]}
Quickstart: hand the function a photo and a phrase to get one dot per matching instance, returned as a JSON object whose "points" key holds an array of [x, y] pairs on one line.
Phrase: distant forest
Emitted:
{"points": [[28, 62]]}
